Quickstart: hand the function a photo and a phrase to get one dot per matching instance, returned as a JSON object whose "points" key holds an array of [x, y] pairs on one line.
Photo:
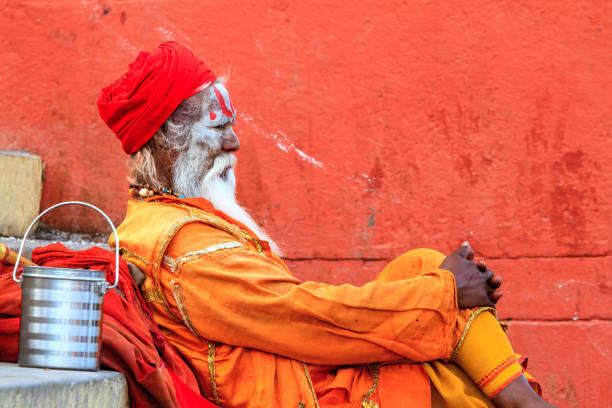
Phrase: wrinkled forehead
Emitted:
{"points": [[217, 106]]}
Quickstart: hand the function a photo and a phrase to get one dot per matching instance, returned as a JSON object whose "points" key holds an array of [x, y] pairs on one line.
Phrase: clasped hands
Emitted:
{"points": [[476, 285]]}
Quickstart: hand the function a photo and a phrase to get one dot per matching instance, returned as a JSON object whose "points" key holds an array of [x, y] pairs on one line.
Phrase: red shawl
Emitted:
{"points": [[131, 342]]}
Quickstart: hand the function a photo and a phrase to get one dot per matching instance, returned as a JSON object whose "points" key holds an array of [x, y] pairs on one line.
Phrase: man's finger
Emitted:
{"points": [[495, 296], [464, 250], [495, 281], [489, 301], [470, 255]]}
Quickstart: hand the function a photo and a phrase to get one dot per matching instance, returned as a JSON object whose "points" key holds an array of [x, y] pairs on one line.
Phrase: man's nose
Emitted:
{"points": [[230, 142]]}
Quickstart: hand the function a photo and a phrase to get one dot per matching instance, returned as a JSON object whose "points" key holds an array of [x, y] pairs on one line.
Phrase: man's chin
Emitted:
{"points": [[229, 179], [220, 185], [227, 174]]}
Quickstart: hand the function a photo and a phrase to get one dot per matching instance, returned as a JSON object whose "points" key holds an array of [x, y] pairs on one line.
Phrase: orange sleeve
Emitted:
{"points": [[234, 295], [486, 354]]}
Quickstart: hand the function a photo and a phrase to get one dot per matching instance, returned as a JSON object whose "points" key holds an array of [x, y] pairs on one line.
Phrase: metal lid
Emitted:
{"points": [[63, 273]]}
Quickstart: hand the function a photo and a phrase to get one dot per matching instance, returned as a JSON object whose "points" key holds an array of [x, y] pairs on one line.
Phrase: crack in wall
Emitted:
{"points": [[489, 258]]}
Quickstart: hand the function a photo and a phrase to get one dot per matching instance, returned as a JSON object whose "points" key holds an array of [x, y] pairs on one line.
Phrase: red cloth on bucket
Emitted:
{"points": [[131, 342]]}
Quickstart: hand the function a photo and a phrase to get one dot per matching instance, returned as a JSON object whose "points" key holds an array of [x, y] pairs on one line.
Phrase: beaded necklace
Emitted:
{"points": [[146, 190]]}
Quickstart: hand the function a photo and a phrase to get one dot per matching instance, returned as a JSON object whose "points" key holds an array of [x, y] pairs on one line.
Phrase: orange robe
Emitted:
{"points": [[256, 336]]}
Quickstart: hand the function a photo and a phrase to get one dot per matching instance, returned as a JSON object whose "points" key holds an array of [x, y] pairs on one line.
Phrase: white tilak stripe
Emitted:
{"points": [[175, 263], [202, 87]]}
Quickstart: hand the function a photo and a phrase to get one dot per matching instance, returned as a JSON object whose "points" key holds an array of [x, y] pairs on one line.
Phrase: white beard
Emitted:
{"points": [[217, 186]]}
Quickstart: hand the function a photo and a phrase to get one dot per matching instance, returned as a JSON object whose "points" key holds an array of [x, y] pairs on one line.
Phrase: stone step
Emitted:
{"points": [[21, 178], [24, 387], [77, 245]]}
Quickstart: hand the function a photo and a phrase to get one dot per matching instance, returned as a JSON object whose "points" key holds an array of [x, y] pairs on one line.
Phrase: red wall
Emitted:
{"points": [[369, 128]]}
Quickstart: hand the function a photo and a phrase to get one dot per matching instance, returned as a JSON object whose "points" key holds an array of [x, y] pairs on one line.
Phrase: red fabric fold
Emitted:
{"points": [[131, 342]]}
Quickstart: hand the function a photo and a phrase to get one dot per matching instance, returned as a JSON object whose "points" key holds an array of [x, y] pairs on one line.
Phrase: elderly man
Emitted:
{"points": [[422, 334]]}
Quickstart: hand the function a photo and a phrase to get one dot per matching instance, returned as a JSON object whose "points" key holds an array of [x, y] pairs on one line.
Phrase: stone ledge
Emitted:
{"points": [[38, 387], [77, 245], [21, 178]]}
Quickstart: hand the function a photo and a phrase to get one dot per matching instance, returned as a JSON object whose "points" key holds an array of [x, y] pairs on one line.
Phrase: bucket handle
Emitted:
{"points": [[59, 205]]}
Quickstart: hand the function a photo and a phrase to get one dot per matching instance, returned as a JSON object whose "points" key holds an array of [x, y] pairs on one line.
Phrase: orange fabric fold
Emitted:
{"points": [[246, 325]]}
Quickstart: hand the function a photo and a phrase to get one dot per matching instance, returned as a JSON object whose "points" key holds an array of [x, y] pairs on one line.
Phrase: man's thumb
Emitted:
{"points": [[464, 249]]}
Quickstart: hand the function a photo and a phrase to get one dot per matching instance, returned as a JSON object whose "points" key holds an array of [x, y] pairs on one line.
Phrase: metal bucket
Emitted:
{"points": [[61, 311]]}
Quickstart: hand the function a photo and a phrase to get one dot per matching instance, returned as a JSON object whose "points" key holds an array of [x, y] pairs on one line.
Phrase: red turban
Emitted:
{"points": [[137, 104]]}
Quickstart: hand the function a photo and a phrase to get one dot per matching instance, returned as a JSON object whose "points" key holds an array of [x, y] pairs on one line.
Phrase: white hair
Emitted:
{"points": [[173, 136]]}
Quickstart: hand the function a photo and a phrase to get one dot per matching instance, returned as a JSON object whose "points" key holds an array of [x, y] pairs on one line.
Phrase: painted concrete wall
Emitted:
{"points": [[369, 128]]}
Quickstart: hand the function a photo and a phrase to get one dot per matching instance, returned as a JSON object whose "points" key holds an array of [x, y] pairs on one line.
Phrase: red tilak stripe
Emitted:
{"points": [[226, 111]]}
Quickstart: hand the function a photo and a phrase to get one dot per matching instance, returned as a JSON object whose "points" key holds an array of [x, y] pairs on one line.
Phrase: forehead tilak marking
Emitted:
{"points": [[224, 100]]}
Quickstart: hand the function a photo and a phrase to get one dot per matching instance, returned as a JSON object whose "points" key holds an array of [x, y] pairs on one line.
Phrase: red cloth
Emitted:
{"points": [[10, 310], [137, 104], [131, 342]]}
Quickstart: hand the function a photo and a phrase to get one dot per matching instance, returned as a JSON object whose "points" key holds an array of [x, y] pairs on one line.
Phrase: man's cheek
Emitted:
{"points": [[207, 136]]}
